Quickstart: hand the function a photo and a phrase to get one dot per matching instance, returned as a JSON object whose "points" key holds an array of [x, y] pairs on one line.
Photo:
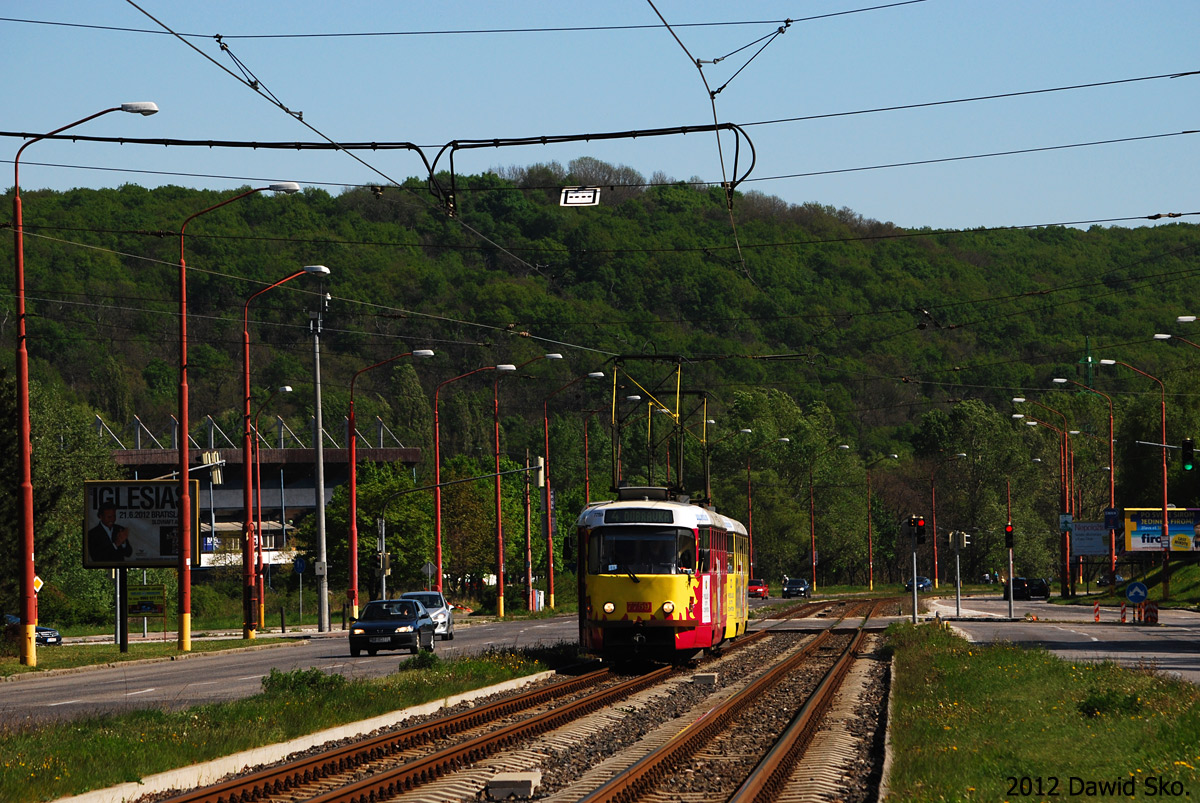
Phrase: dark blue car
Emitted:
{"points": [[923, 584], [392, 624]]}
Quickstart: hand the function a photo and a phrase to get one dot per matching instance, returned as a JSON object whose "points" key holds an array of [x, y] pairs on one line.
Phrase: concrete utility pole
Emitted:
{"points": [[319, 445]]}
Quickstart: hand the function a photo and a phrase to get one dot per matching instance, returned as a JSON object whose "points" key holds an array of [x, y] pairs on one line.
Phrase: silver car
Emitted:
{"points": [[439, 609]]}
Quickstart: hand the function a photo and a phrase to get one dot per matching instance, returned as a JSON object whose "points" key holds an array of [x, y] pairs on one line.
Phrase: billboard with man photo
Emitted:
{"points": [[134, 523]]}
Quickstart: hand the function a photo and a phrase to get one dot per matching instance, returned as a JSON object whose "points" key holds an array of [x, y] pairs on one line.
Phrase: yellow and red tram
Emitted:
{"points": [[659, 578]]}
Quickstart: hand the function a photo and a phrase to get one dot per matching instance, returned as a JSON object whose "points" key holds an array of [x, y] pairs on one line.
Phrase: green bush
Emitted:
{"points": [[302, 681]]}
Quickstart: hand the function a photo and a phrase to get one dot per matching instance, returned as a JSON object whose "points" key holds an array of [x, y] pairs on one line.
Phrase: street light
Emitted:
{"points": [[749, 502], [499, 514], [1067, 585], [353, 513], [812, 512], [1066, 581], [708, 458], [546, 526], [437, 467], [262, 592], [1166, 533], [250, 607], [933, 511], [24, 438], [1112, 470], [185, 497], [870, 537]]}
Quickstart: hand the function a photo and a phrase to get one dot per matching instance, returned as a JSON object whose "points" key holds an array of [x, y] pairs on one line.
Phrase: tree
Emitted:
{"points": [[66, 452]]}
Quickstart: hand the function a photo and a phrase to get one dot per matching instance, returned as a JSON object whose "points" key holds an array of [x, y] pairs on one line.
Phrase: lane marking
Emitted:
{"points": [[143, 691]]}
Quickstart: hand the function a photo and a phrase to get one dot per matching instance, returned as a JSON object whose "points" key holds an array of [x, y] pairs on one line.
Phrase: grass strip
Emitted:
{"points": [[992, 723], [53, 761], [73, 656]]}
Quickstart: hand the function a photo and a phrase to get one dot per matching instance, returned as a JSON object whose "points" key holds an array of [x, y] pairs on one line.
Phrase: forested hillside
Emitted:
{"points": [[799, 322]]}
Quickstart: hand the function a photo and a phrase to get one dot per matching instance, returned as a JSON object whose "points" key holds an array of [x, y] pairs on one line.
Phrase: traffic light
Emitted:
{"points": [[1008, 535], [920, 529], [1189, 454]]}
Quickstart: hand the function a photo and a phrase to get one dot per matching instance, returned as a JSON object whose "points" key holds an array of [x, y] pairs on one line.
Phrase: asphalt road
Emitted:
{"points": [[1071, 632], [199, 678]]}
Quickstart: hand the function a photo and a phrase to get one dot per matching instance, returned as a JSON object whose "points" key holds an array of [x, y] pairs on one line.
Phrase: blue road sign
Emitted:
{"points": [[1136, 592], [299, 566], [1112, 519]]}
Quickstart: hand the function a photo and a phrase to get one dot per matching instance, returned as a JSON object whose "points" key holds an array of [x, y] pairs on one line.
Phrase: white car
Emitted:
{"points": [[439, 610]]}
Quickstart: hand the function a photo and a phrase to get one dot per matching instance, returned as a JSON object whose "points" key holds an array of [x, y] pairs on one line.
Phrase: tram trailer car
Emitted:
{"points": [[659, 579]]}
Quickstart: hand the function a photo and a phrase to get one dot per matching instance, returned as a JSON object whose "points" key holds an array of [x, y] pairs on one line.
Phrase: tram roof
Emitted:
{"points": [[683, 514]]}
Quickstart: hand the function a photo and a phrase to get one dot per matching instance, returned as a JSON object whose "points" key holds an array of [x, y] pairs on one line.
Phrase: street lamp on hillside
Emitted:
{"points": [[250, 605], [1166, 533], [353, 512], [185, 497], [24, 438]]}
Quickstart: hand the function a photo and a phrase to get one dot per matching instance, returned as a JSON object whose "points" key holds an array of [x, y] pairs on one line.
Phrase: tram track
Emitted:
{"points": [[453, 758]]}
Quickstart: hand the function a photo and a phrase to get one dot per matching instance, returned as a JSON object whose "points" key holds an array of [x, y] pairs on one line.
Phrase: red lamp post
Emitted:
{"points": [[437, 467], [812, 512], [933, 510], [1166, 532], [749, 501], [546, 526], [250, 606], [185, 497], [870, 536], [262, 592], [24, 437], [496, 430], [1112, 470], [1066, 584], [353, 512]]}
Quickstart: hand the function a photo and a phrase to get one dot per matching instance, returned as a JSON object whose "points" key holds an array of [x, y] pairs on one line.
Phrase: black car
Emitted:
{"points": [[1018, 588], [44, 636], [923, 584], [1106, 579], [1038, 588], [392, 624], [796, 587]]}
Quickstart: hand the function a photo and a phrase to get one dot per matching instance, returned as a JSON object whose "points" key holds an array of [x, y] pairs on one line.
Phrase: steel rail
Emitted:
{"points": [[390, 783], [631, 785], [279, 779], [767, 780]]}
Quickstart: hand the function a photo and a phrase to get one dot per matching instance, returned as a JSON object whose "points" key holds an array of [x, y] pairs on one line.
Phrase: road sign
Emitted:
{"points": [[299, 566], [37, 584], [1112, 520], [1064, 522], [1136, 592], [429, 570]]}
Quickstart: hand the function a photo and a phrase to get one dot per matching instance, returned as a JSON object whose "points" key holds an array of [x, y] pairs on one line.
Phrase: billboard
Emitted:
{"points": [[1143, 529], [1089, 538], [134, 523]]}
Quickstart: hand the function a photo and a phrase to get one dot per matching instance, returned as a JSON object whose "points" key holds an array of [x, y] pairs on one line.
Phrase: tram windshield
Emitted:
{"points": [[641, 550]]}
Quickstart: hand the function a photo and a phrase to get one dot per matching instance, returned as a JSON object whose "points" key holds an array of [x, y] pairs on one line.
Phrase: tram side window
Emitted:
{"points": [[705, 548]]}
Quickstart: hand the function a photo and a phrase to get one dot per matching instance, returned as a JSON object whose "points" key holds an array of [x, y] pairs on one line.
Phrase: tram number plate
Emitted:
{"points": [[637, 607]]}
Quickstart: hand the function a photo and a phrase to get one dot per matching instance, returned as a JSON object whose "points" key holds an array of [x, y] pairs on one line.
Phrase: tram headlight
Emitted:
{"points": [[609, 607], [668, 607]]}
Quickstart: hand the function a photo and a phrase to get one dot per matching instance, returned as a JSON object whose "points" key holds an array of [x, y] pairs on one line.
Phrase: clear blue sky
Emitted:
{"points": [[435, 87]]}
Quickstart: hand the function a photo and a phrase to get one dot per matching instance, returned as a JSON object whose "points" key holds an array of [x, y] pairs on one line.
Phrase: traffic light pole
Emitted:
{"points": [[957, 536]]}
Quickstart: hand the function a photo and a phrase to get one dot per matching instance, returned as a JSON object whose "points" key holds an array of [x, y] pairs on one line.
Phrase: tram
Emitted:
{"points": [[659, 578]]}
